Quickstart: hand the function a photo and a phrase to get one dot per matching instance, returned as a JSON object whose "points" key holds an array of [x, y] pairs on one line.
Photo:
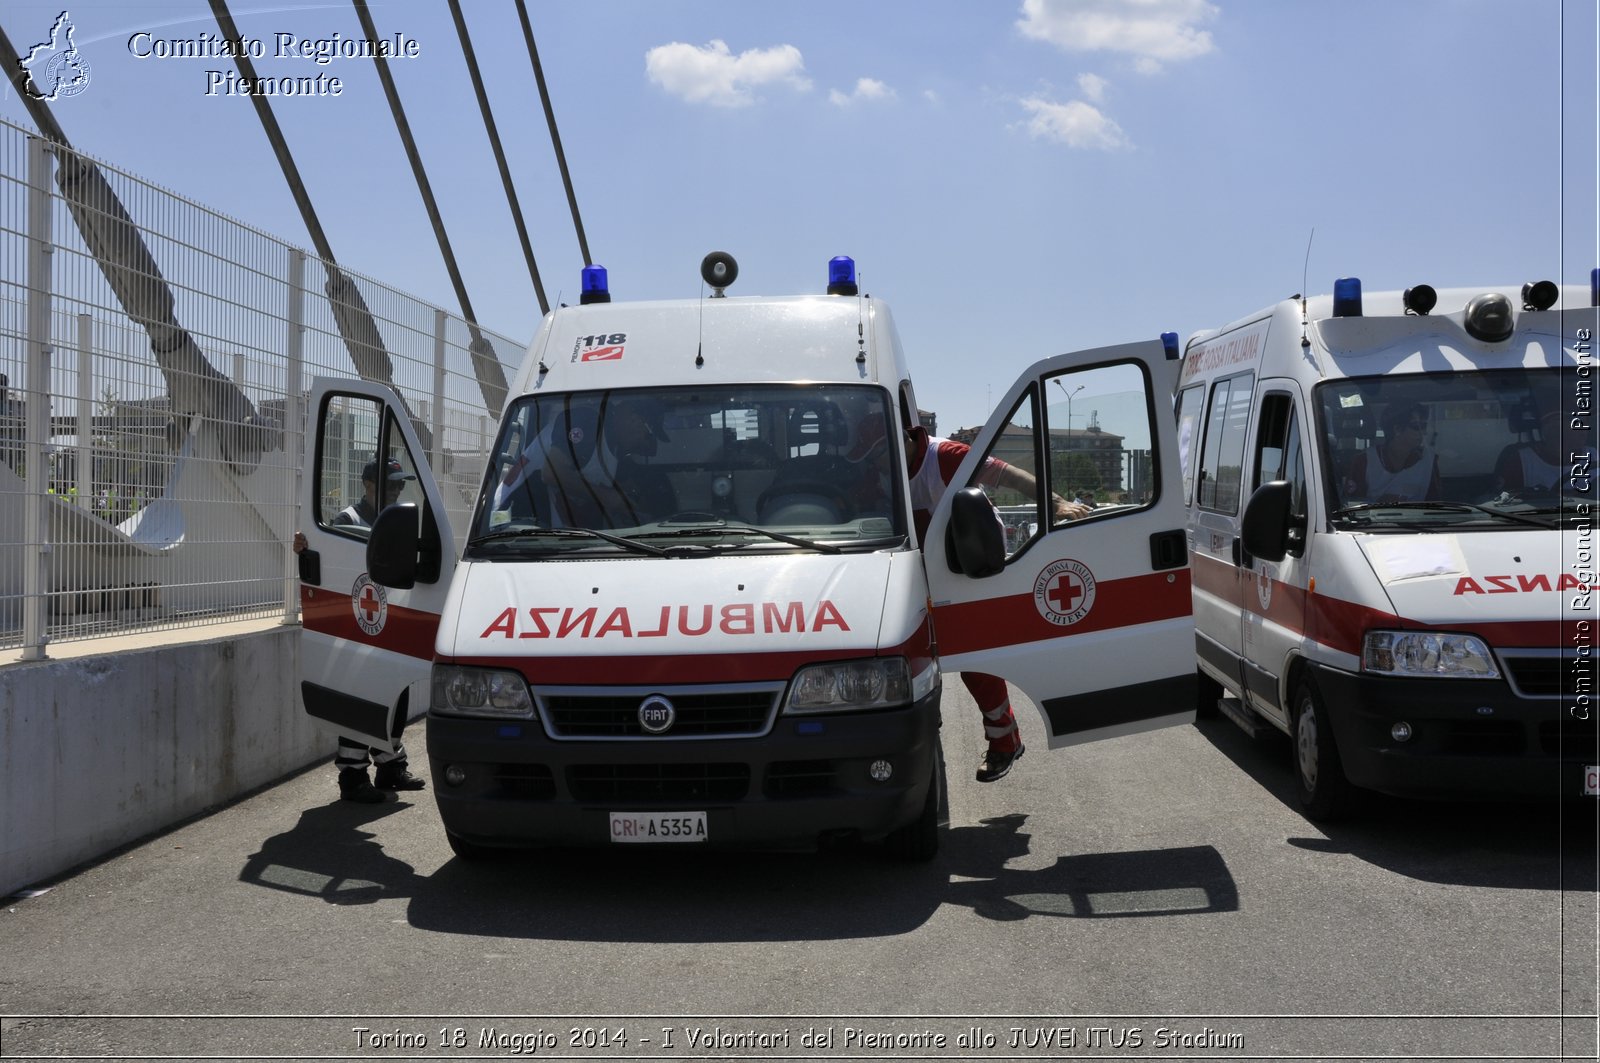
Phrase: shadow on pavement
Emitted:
{"points": [[328, 854], [667, 896], [1537, 845]]}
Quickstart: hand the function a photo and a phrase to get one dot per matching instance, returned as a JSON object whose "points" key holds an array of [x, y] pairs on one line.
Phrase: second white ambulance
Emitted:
{"points": [[1392, 512]]}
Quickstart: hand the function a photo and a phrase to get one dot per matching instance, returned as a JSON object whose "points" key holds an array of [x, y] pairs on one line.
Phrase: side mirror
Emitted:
{"points": [[1264, 532], [976, 541], [392, 547]]}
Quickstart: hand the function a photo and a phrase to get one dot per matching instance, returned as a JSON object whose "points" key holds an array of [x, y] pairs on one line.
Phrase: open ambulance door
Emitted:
{"points": [[1091, 618], [366, 649]]}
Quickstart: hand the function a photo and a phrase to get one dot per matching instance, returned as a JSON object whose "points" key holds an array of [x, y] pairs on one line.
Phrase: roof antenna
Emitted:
{"points": [[1305, 274], [861, 330]]}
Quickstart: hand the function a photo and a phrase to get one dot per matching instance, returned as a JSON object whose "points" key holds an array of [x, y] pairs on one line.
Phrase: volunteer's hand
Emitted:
{"points": [[1062, 510]]}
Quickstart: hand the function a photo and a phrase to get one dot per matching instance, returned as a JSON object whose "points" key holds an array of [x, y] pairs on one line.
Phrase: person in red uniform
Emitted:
{"points": [[931, 463]]}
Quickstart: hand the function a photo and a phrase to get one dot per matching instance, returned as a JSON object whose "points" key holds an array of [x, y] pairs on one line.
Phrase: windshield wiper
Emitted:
{"points": [[571, 533], [723, 527], [1454, 507]]}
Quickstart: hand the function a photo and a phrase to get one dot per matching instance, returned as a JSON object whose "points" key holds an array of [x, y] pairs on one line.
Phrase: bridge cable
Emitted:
{"points": [[499, 152], [350, 312], [490, 373], [555, 136]]}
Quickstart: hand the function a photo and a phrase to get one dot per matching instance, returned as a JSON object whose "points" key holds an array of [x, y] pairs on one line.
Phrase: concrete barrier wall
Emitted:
{"points": [[98, 751]]}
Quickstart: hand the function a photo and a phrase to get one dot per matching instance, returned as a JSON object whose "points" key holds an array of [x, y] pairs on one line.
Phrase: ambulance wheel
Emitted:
{"points": [[1207, 693], [918, 841], [1323, 790]]}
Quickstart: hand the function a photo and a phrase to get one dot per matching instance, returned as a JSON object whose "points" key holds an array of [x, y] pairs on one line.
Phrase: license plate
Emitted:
{"points": [[1591, 781], [655, 827]]}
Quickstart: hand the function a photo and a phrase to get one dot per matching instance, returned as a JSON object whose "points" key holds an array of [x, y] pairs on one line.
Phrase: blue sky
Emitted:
{"points": [[1014, 178]]}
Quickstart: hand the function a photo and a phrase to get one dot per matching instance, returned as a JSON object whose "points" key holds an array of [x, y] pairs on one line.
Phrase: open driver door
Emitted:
{"points": [[1091, 618], [367, 643]]}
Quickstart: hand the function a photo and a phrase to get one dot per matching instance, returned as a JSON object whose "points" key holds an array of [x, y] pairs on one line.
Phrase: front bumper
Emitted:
{"points": [[803, 782], [1469, 736]]}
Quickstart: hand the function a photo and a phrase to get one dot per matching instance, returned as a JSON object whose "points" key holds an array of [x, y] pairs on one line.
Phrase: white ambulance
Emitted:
{"points": [[690, 604], [1391, 514]]}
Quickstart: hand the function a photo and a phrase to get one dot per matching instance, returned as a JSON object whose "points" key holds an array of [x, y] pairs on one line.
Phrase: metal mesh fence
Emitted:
{"points": [[155, 356]]}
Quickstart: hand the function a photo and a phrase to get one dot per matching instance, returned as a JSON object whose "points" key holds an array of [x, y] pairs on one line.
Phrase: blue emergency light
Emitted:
{"points": [[842, 275], [1169, 343], [1347, 297], [595, 288]]}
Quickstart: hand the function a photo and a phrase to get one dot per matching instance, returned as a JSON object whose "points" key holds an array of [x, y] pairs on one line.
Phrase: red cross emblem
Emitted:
{"points": [[1064, 592], [370, 603]]}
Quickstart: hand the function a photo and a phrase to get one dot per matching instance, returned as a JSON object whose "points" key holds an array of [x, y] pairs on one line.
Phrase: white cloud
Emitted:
{"points": [[1152, 32], [714, 75], [1075, 124], [1093, 87], [867, 90]]}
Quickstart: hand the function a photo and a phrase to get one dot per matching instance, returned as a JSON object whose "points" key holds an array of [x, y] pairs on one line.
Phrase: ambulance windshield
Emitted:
{"points": [[681, 469], [1485, 448]]}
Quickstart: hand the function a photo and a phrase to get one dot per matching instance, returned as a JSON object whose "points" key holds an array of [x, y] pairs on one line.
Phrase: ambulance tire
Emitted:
{"points": [[1323, 791], [918, 841], [1207, 693], [472, 852]]}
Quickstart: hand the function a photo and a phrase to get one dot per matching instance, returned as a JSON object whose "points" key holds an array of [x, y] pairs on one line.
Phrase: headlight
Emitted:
{"points": [[876, 683], [479, 692], [1436, 654]]}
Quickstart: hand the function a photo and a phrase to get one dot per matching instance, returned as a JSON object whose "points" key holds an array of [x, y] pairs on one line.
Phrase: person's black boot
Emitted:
{"points": [[355, 786], [395, 776], [995, 764]]}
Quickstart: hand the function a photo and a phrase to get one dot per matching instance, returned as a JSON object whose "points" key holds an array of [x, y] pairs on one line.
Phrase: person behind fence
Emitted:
{"points": [[351, 757], [931, 463]]}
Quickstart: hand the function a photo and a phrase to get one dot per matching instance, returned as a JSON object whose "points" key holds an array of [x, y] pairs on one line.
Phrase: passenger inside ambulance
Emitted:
{"points": [[673, 462], [1541, 465], [611, 483], [1453, 449], [1401, 466]]}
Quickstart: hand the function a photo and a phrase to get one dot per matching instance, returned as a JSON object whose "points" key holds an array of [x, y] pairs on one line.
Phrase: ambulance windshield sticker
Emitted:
{"points": [[1064, 592], [370, 603], [600, 347]]}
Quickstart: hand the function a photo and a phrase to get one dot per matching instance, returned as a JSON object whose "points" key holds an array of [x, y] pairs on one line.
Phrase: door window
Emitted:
{"points": [[363, 465], [1092, 444], [1278, 456], [1189, 404], [1222, 459]]}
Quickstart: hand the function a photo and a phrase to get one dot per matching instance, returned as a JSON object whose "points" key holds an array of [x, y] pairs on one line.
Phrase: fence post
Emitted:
{"points": [[36, 392], [83, 475], [294, 419], [436, 459]]}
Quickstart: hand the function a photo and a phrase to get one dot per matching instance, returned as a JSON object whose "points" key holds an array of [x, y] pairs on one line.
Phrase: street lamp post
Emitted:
{"points": [[1067, 479]]}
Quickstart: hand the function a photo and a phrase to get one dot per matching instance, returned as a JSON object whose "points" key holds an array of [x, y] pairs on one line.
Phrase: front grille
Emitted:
{"points": [[599, 714], [525, 782], [1568, 736], [612, 783], [1540, 675], [799, 778], [1481, 738]]}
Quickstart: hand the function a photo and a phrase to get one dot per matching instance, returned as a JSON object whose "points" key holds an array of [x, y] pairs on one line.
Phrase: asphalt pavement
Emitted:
{"points": [[1150, 896]]}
